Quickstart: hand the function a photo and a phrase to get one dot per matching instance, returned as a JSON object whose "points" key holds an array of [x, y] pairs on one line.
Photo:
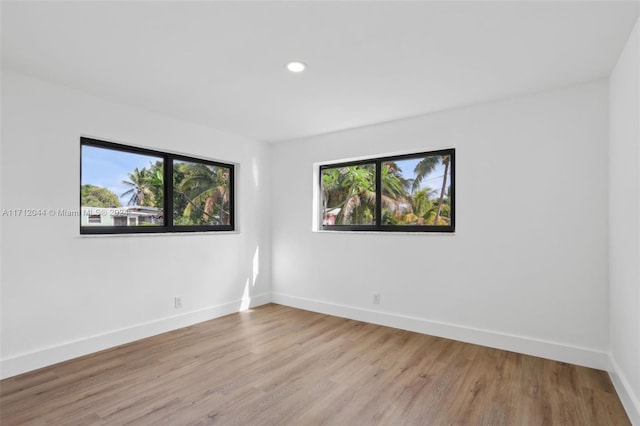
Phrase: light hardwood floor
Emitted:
{"points": [[276, 365]]}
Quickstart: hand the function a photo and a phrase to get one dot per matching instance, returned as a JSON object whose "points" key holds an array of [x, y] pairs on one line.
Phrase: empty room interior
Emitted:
{"points": [[320, 212]]}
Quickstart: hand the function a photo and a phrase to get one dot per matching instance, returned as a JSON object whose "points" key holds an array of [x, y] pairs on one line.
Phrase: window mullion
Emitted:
{"points": [[378, 218], [168, 192]]}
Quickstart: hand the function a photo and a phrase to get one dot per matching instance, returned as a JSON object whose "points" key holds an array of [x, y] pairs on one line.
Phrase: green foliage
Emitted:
{"points": [[393, 184], [154, 180], [388, 218], [95, 196], [350, 191], [201, 194]]}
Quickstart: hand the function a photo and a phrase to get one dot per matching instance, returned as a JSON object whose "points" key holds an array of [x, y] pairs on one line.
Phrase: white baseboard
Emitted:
{"points": [[52, 355], [525, 345], [629, 399]]}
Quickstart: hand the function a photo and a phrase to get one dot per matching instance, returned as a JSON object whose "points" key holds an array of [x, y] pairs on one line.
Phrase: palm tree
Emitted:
{"points": [[445, 160], [422, 201], [205, 188], [424, 168], [394, 191], [358, 206], [351, 189], [140, 190], [155, 179], [427, 166], [330, 184]]}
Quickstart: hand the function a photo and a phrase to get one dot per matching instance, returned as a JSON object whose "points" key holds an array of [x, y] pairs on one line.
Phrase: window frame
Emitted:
{"points": [[378, 226], [167, 158]]}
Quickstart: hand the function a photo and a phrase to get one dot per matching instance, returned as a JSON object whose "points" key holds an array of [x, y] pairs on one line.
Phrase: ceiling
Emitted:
{"points": [[222, 64]]}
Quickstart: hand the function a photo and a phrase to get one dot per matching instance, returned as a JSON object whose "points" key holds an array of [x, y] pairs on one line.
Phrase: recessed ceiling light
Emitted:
{"points": [[296, 66]]}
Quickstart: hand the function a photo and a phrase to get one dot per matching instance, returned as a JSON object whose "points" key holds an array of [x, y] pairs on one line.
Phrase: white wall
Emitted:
{"points": [[624, 215], [64, 295], [527, 268]]}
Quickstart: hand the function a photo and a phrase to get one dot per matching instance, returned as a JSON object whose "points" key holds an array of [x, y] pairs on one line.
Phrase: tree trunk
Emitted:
{"points": [[444, 187], [223, 218]]}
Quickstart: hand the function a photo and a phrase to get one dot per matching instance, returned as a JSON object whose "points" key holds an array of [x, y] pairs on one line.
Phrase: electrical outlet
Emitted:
{"points": [[177, 302], [376, 298]]}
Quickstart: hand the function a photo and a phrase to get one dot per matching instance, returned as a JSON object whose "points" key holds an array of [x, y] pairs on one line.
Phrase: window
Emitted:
{"points": [[124, 190], [414, 192]]}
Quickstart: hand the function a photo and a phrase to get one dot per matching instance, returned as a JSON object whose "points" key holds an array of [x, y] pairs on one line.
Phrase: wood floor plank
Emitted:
{"points": [[276, 365]]}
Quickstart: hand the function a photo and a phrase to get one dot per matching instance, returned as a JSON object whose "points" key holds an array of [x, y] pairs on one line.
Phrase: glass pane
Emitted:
{"points": [[349, 195], [416, 191], [121, 188], [201, 194]]}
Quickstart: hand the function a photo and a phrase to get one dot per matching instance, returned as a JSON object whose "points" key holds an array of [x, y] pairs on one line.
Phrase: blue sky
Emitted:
{"points": [[108, 168], [433, 180]]}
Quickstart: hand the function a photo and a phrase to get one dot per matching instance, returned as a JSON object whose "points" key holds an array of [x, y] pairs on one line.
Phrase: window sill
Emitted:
{"points": [[321, 231], [156, 234]]}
